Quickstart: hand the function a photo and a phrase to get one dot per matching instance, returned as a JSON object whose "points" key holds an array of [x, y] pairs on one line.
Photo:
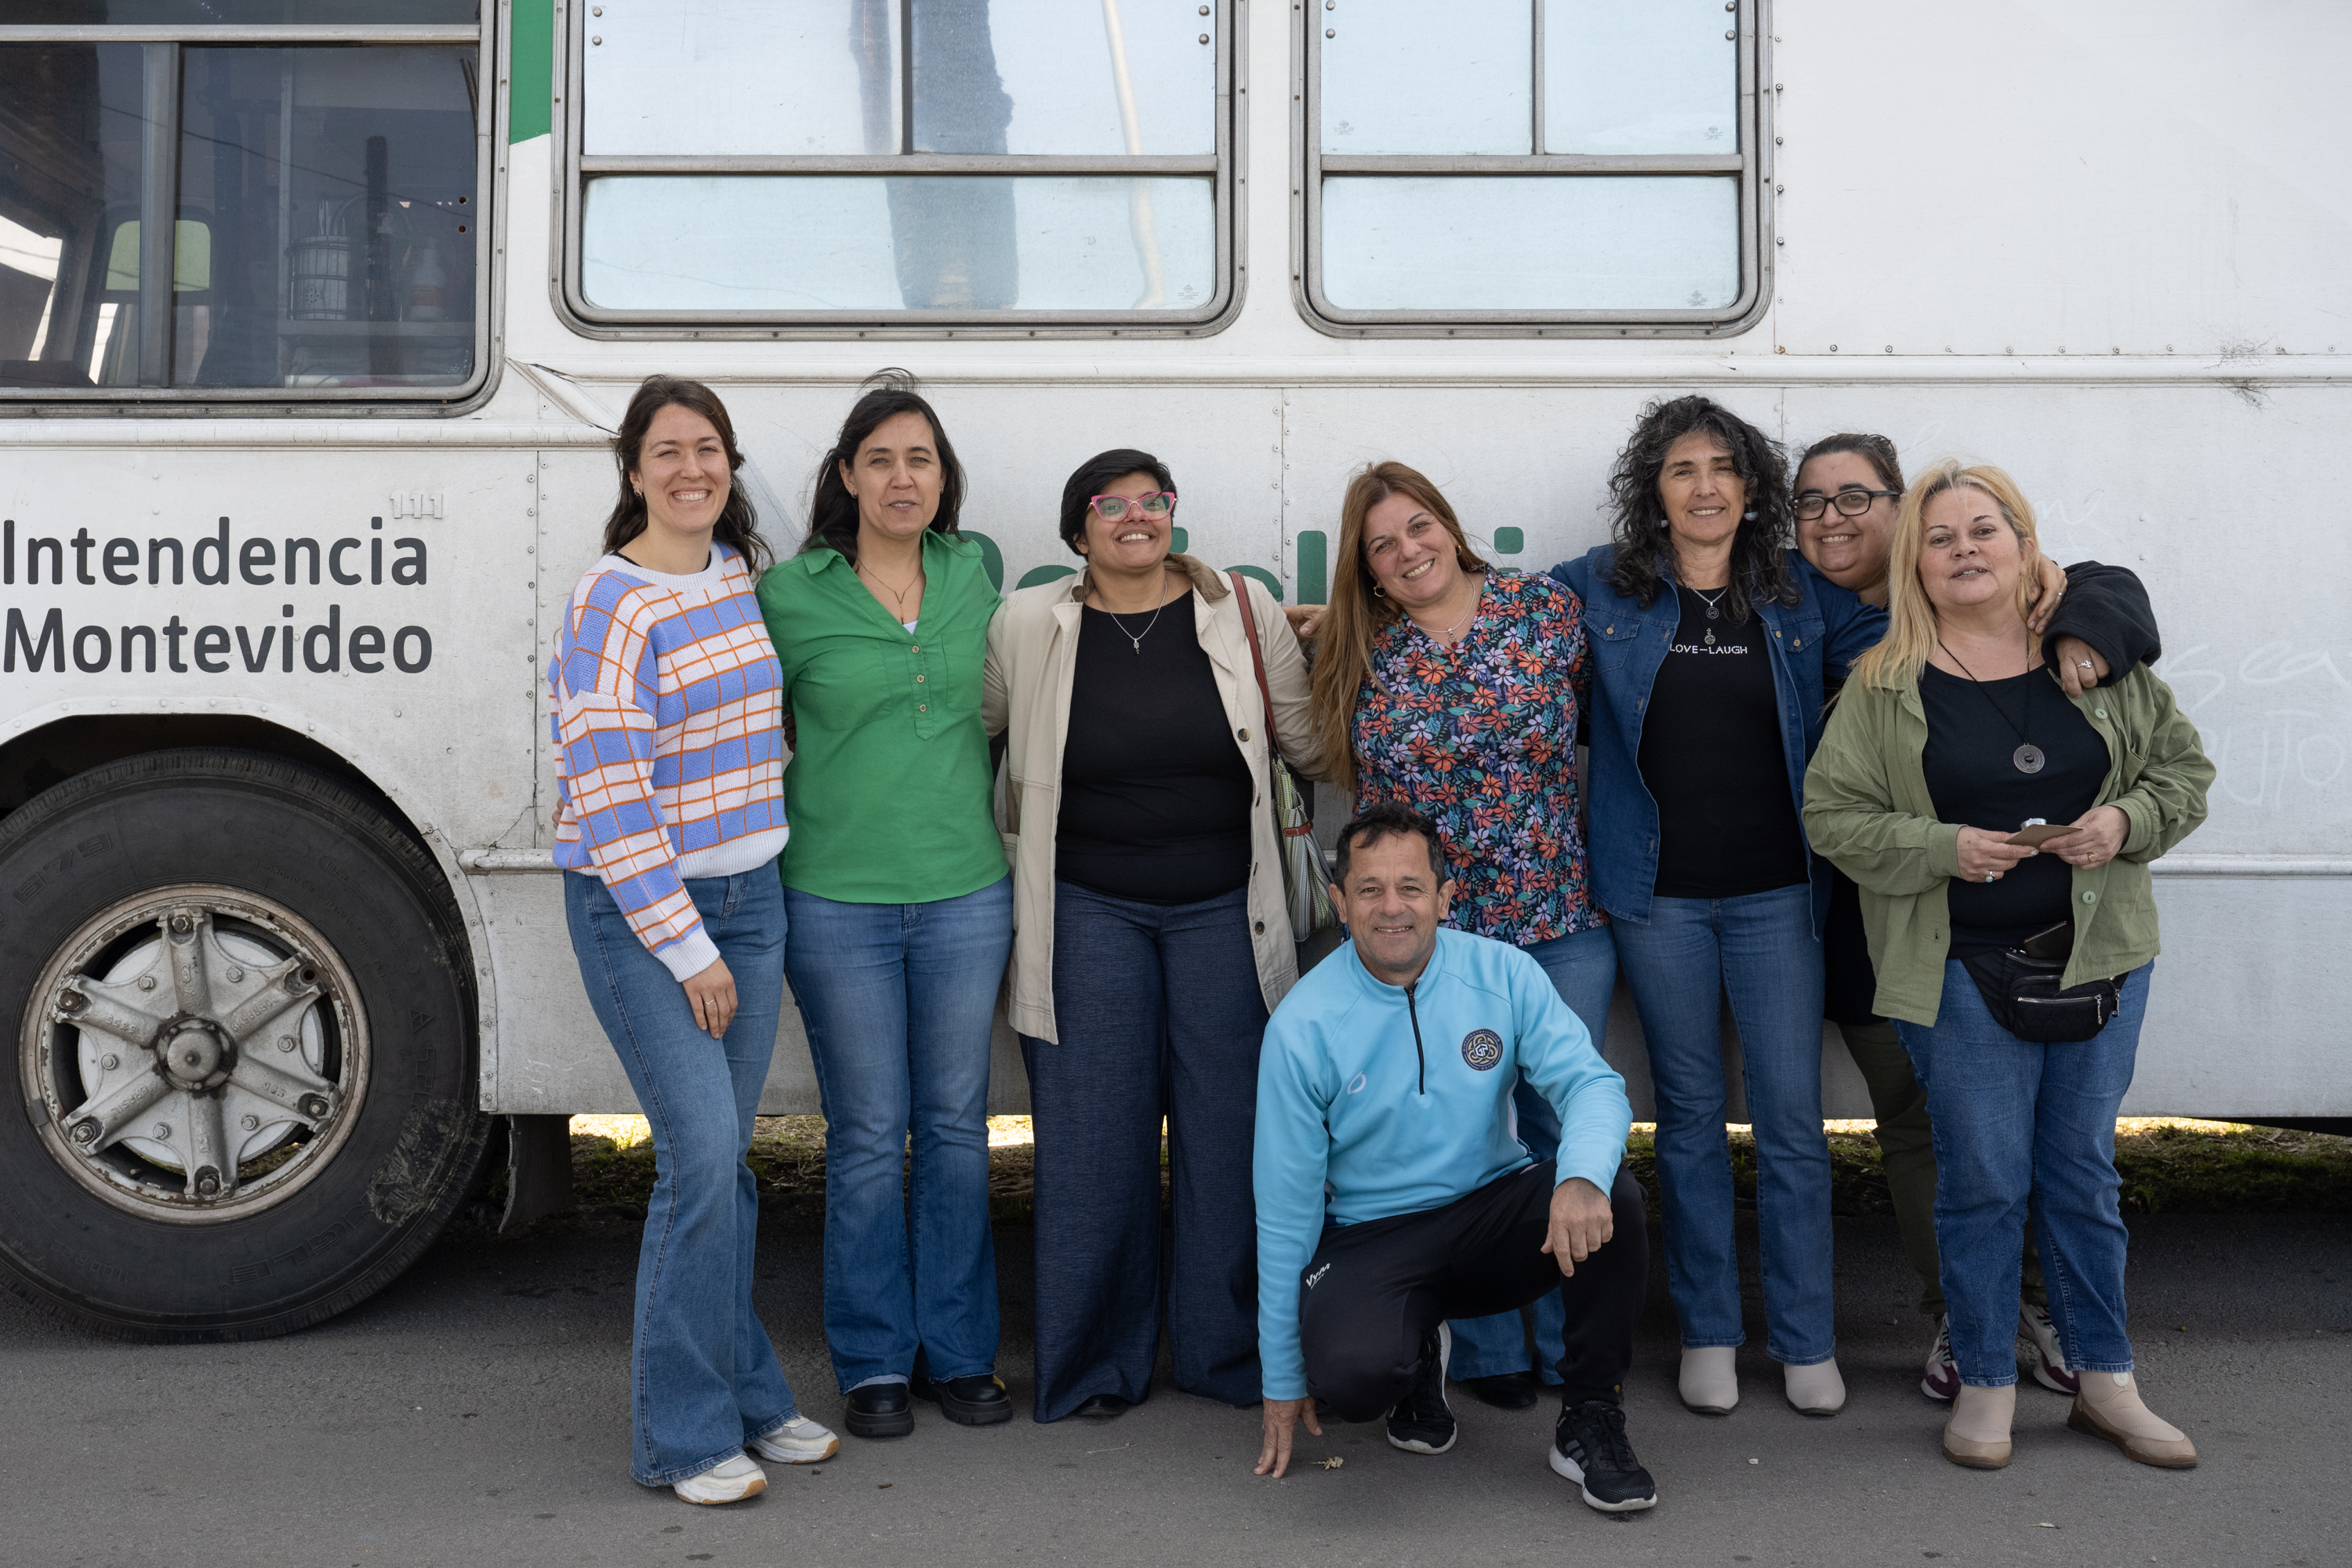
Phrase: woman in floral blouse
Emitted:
{"points": [[1449, 685]]}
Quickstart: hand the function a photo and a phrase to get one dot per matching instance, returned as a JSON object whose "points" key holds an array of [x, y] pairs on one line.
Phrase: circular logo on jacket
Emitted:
{"points": [[1482, 1049]]}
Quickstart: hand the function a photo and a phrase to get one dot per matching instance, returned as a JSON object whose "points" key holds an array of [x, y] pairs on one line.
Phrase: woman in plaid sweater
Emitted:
{"points": [[666, 717]]}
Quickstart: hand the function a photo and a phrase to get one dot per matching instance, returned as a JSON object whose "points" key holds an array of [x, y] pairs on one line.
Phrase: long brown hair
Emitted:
{"points": [[833, 510], [1895, 661], [1343, 650], [738, 525]]}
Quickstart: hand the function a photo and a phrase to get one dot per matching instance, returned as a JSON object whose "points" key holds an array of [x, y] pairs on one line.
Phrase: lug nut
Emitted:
{"points": [[181, 925], [248, 1121], [146, 982], [72, 1002], [235, 974], [314, 1106], [84, 1132], [109, 1062], [285, 1042], [208, 1182], [163, 1130]]}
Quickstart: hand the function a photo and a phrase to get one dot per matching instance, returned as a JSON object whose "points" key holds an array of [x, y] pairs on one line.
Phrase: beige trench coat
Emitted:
{"points": [[1032, 663]]}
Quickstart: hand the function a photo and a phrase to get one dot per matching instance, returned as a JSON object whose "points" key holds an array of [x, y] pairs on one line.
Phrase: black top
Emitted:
{"points": [[1155, 791], [1972, 740], [1711, 757], [2107, 607]]}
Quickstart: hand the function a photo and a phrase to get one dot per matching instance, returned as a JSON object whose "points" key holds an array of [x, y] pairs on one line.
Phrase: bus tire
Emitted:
{"points": [[242, 1012]]}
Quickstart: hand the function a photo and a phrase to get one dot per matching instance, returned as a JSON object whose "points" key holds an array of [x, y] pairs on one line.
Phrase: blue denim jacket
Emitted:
{"points": [[1814, 641]]}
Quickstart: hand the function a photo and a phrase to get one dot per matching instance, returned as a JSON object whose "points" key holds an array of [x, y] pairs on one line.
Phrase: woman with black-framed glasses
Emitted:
{"points": [[1151, 938], [1847, 487]]}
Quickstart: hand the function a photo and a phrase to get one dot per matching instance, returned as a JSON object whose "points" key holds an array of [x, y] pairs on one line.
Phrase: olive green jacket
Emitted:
{"points": [[1868, 810]]}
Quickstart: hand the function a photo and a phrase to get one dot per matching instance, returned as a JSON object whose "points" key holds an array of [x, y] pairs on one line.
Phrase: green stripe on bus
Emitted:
{"points": [[530, 70]]}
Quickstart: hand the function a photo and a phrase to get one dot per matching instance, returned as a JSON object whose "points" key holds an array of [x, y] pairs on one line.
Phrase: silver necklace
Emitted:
{"points": [[1136, 638], [1712, 612], [1439, 637], [2028, 757]]}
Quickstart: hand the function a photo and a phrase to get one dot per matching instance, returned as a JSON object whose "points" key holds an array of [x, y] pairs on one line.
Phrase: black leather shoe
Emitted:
{"points": [[880, 1410], [1505, 1390], [978, 1400], [1104, 1407]]}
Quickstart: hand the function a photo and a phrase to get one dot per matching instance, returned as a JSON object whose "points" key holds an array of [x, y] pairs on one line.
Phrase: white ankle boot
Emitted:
{"points": [[1710, 1379]]}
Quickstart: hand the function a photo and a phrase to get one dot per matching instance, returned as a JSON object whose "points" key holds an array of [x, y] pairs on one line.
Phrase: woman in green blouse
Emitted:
{"points": [[900, 908]]}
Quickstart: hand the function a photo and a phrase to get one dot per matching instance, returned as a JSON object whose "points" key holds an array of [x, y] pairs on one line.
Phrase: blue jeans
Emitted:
{"points": [[1761, 950], [1583, 969], [703, 1378], [2025, 1129], [1159, 1013], [898, 1000]]}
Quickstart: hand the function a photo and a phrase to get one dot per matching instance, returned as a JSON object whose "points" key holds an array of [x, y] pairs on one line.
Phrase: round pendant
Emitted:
{"points": [[2028, 758]]}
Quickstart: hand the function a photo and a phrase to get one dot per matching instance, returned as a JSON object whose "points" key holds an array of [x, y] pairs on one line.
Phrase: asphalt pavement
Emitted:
{"points": [[476, 1414]]}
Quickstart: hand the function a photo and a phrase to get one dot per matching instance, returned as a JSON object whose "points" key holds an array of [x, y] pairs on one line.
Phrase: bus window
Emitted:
{"points": [[324, 203], [1530, 162], [1056, 161]]}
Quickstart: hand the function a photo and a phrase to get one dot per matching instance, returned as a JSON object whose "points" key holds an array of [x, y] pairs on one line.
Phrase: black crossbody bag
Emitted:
{"points": [[2020, 987]]}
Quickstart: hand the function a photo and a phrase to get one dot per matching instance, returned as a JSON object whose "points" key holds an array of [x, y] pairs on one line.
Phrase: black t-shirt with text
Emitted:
{"points": [[1711, 754]]}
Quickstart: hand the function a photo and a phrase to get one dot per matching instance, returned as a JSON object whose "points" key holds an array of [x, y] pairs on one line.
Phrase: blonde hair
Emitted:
{"points": [[1896, 660], [1343, 650]]}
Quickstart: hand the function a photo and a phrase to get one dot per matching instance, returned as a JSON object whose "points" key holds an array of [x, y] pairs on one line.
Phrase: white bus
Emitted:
{"points": [[313, 314]]}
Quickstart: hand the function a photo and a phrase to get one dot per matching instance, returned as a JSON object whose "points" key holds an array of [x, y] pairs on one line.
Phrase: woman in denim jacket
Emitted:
{"points": [[1714, 644]]}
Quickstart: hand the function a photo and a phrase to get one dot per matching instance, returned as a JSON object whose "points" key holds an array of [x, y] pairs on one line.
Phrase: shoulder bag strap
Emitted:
{"points": [[1257, 660]]}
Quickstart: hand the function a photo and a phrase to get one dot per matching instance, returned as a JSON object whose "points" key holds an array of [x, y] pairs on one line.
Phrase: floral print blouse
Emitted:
{"points": [[1481, 737]]}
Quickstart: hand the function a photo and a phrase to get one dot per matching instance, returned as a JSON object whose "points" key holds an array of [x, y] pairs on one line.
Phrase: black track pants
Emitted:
{"points": [[1376, 1290]]}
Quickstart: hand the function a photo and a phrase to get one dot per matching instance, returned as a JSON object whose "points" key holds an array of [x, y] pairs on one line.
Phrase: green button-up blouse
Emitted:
{"points": [[888, 789]]}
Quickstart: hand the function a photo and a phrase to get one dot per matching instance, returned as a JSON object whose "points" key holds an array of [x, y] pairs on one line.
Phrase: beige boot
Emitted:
{"points": [[2109, 1407], [1709, 1384], [1977, 1433]]}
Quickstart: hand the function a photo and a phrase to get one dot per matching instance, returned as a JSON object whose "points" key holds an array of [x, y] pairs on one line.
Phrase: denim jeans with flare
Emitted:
{"points": [[899, 1001], [703, 1377]]}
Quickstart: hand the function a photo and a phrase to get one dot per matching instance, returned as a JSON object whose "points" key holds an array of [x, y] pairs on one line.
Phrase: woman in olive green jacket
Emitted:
{"points": [[1949, 738]]}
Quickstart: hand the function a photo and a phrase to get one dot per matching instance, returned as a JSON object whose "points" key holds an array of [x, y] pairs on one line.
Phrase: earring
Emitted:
{"points": [[1379, 592], [636, 491], [1748, 516]]}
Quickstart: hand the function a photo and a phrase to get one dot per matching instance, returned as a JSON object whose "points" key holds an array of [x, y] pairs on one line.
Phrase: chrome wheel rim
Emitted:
{"points": [[194, 1054]]}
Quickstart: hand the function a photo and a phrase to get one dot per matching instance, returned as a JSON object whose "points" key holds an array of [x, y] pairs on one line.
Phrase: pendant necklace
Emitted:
{"points": [[897, 595], [2028, 757], [1712, 612], [1439, 637], [1136, 638]]}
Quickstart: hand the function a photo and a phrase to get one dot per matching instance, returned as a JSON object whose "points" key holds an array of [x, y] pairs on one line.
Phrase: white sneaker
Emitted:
{"points": [[2035, 1328], [799, 1441], [731, 1479]]}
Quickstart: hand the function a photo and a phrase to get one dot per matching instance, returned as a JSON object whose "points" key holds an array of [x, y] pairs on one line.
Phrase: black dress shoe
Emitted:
{"points": [[1104, 1407], [978, 1400], [1505, 1390], [880, 1410]]}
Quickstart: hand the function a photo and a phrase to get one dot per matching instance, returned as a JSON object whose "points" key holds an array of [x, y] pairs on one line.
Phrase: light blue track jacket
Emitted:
{"points": [[1353, 1124]]}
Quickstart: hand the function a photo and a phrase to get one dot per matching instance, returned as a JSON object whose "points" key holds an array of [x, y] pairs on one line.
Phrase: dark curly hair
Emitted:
{"points": [[1759, 551], [738, 524], [833, 510]]}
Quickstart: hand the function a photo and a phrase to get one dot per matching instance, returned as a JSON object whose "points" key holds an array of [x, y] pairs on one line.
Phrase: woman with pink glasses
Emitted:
{"points": [[1151, 934]]}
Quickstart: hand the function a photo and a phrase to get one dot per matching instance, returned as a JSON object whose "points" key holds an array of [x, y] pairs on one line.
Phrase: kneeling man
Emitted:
{"points": [[1393, 1191]]}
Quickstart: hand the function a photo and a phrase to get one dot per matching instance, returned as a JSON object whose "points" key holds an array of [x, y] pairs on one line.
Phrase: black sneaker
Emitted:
{"points": [[1423, 1422], [1505, 1390], [1589, 1448]]}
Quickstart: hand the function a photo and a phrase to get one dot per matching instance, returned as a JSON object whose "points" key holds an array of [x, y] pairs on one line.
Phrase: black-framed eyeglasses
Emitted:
{"points": [[1155, 506], [1849, 502]]}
